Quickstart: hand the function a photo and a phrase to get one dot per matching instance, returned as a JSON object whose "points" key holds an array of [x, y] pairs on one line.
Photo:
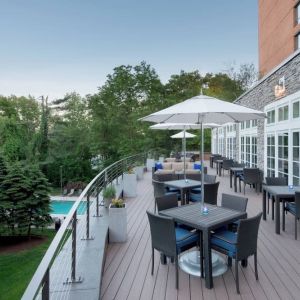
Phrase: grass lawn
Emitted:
{"points": [[17, 269]]}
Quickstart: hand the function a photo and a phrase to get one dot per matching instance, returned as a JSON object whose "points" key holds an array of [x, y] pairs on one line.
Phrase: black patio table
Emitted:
{"points": [[217, 216], [184, 186], [235, 171], [278, 192]]}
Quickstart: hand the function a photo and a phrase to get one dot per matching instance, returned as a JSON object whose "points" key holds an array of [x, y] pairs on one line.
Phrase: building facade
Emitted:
{"points": [[279, 28]]}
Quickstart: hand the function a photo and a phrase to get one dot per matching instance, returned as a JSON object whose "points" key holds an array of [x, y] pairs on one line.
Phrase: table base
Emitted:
{"points": [[189, 262]]}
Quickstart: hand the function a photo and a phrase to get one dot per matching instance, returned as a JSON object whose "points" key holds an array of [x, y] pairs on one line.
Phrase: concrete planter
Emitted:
{"points": [[129, 185], [139, 171], [161, 159], [107, 202], [117, 224], [150, 164]]}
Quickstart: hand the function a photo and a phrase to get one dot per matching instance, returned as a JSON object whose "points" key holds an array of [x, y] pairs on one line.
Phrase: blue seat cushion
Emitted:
{"points": [[158, 166], [173, 190], [197, 167], [241, 176], [174, 193], [195, 197], [185, 237], [291, 207], [226, 240], [196, 190]]}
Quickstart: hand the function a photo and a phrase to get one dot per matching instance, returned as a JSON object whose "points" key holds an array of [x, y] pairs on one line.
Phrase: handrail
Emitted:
{"points": [[43, 268]]}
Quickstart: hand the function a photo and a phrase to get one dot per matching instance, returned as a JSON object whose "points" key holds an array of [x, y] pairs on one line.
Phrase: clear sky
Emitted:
{"points": [[51, 47]]}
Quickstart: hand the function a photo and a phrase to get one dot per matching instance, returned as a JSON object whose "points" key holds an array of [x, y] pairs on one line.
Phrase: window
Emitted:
{"points": [[242, 149], [221, 146], [283, 154], [254, 123], [254, 152], [271, 156], [283, 113], [242, 125], [231, 144], [296, 158], [297, 13], [271, 116], [297, 41], [248, 124], [296, 110], [248, 151]]}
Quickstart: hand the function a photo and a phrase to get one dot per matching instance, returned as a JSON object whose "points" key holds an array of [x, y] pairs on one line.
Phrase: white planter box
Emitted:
{"points": [[161, 159], [129, 185], [139, 171], [117, 224], [150, 164]]}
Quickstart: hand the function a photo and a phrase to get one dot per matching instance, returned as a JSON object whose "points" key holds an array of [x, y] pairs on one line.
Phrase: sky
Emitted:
{"points": [[53, 47]]}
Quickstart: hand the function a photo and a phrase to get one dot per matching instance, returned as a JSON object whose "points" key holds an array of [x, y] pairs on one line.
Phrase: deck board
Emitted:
{"points": [[127, 270]]}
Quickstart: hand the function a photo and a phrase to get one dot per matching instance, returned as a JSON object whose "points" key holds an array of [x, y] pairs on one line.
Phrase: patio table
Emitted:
{"points": [[278, 192], [217, 216], [184, 186], [235, 171]]}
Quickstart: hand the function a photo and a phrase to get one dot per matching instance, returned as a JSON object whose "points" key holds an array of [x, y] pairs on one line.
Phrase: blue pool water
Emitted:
{"points": [[63, 207]]}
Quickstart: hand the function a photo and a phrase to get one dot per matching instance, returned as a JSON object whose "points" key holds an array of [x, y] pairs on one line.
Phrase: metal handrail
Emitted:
{"points": [[42, 273]]}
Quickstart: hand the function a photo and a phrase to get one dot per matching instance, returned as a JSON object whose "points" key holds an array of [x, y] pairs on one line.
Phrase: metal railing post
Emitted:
{"points": [[97, 203], [46, 289], [87, 237], [74, 226]]}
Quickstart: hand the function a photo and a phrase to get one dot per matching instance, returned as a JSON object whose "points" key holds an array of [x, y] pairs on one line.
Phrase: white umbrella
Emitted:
{"points": [[203, 109], [183, 134]]}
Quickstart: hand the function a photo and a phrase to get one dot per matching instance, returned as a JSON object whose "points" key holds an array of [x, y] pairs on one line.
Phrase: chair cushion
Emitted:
{"points": [[185, 237], [196, 190], [192, 171], [170, 159], [195, 197], [226, 240], [173, 190], [163, 171], [190, 166], [291, 207], [197, 166], [158, 165], [167, 166], [177, 166]]}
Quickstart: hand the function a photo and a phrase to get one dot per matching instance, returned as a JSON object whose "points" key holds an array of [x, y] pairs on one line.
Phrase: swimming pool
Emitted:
{"points": [[63, 207]]}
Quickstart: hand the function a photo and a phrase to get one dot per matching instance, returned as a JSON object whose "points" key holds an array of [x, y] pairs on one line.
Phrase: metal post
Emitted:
{"points": [[46, 290], [184, 153], [87, 237], [97, 203], [74, 222]]}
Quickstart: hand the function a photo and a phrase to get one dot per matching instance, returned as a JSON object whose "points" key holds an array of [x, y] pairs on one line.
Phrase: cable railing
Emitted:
{"points": [[71, 232]]}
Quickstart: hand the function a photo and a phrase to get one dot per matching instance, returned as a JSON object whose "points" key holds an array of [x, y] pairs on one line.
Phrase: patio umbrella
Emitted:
{"points": [[204, 109]]}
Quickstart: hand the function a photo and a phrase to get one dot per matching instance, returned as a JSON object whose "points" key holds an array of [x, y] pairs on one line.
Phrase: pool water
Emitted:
{"points": [[63, 207]]}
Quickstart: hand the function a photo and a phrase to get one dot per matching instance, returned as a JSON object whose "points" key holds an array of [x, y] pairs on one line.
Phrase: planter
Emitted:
{"points": [[150, 164], [139, 171], [161, 159], [117, 224], [107, 202], [129, 185]]}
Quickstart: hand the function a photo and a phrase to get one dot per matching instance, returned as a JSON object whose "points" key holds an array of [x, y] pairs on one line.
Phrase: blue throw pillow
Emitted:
{"points": [[158, 166], [197, 167]]}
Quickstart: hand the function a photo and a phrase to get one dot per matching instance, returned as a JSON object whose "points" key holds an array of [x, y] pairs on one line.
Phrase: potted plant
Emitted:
{"points": [[139, 170], [117, 221], [129, 183], [108, 194]]}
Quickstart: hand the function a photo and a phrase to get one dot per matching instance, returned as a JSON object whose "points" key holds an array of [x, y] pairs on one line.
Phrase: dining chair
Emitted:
{"points": [[170, 240], [240, 245], [210, 194], [227, 164], [294, 209], [251, 176], [275, 181]]}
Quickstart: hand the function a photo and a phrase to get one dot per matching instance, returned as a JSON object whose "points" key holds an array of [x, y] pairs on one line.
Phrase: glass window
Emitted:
{"points": [[271, 116], [242, 125], [247, 124], [297, 41], [298, 14], [271, 156], [254, 152], [242, 149], [296, 110], [283, 154], [296, 158], [248, 151], [283, 113], [254, 123]]}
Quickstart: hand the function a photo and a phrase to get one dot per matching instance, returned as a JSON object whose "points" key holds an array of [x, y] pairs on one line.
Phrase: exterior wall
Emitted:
{"points": [[263, 94], [277, 29]]}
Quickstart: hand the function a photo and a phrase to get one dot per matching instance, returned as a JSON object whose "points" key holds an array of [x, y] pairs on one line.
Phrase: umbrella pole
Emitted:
{"points": [[202, 168], [184, 153]]}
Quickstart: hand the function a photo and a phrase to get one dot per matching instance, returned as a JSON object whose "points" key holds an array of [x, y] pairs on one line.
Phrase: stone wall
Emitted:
{"points": [[263, 93]]}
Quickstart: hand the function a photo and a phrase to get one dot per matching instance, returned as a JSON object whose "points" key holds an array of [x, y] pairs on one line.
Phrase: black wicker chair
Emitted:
{"points": [[227, 164], [170, 240], [275, 181], [240, 245], [251, 176], [234, 202], [166, 202], [294, 209], [210, 194]]}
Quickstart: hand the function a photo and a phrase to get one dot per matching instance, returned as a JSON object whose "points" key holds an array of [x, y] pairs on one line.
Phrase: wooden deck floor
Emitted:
{"points": [[127, 268]]}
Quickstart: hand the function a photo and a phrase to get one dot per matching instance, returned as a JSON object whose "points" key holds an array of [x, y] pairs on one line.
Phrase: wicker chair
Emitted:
{"points": [[275, 181], [240, 245], [227, 164], [251, 176], [170, 240], [294, 209], [210, 194]]}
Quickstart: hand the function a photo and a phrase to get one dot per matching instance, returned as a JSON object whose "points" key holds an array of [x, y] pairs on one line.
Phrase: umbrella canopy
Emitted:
{"points": [[182, 134], [179, 126], [204, 109]]}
